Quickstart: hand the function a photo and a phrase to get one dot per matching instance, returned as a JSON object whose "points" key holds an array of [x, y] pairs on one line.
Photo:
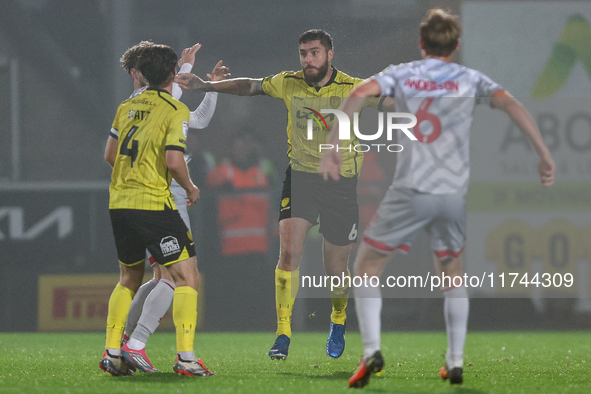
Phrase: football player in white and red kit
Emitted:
{"points": [[430, 180]]}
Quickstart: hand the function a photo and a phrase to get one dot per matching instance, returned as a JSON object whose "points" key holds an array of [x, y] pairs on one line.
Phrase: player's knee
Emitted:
{"points": [[336, 258], [369, 262], [164, 274], [184, 273], [368, 268], [131, 279], [450, 266], [336, 269]]}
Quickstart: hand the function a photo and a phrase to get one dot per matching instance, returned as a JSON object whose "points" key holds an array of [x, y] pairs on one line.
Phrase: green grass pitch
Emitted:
{"points": [[508, 362]]}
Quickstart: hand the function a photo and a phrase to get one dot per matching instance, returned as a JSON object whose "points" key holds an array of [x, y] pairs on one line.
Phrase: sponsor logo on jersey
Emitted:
{"points": [[317, 118]]}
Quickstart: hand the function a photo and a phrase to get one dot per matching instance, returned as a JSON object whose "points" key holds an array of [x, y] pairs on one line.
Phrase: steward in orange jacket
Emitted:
{"points": [[243, 200]]}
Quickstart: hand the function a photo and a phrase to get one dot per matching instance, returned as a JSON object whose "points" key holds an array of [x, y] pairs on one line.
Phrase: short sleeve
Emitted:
{"points": [[387, 81], [273, 85], [115, 126], [485, 87], [178, 129]]}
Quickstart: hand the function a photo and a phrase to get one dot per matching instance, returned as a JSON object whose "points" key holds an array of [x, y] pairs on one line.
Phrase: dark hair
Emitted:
{"points": [[440, 32], [129, 58], [317, 34], [157, 64]]}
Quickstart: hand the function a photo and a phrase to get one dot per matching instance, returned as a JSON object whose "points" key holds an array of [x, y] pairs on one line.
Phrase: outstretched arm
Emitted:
{"points": [[236, 86], [185, 63], [201, 117], [504, 101], [331, 161]]}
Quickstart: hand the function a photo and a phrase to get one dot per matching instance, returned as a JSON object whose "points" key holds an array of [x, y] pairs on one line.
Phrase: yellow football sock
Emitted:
{"points": [[340, 299], [184, 315], [287, 284], [117, 315]]}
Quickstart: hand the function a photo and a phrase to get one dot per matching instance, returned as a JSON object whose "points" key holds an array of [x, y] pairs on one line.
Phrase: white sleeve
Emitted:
{"points": [[177, 92], [202, 115], [386, 80], [485, 86]]}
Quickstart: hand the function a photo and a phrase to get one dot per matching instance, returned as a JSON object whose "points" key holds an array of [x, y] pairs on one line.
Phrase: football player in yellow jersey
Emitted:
{"points": [[339, 218], [153, 298], [146, 149]]}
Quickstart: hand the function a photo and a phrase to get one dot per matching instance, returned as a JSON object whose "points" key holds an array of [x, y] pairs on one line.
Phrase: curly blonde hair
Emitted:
{"points": [[129, 58]]}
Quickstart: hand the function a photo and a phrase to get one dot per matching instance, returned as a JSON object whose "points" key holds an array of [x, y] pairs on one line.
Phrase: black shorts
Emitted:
{"points": [[333, 203], [163, 233]]}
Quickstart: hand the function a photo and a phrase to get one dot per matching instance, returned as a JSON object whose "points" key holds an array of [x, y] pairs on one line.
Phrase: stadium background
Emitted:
{"points": [[61, 84]]}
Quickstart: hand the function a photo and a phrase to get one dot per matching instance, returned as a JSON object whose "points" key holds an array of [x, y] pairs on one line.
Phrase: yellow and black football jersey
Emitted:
{"points": [[146, 126], [300, 98]]}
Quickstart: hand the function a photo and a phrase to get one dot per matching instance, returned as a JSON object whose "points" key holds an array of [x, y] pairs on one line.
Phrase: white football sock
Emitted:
{"points": [[368, 305], [134, 344], [135, 310], [155, 307], [455, 311]]}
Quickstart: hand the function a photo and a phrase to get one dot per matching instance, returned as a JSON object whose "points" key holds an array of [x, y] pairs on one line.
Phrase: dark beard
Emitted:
{"points": [[314, 79]]}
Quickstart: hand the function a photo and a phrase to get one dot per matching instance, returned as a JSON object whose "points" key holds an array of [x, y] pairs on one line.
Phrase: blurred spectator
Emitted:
{"points": [[243, 200], [241, 186], [200, 164]]}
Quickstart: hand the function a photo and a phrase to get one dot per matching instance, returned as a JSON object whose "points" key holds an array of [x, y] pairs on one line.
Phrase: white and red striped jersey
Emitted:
{"points": [[442, 96]]}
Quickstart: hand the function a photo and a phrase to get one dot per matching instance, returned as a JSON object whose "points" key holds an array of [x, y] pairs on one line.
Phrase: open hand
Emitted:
{"points": [[219, 72], [188, 55]]}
